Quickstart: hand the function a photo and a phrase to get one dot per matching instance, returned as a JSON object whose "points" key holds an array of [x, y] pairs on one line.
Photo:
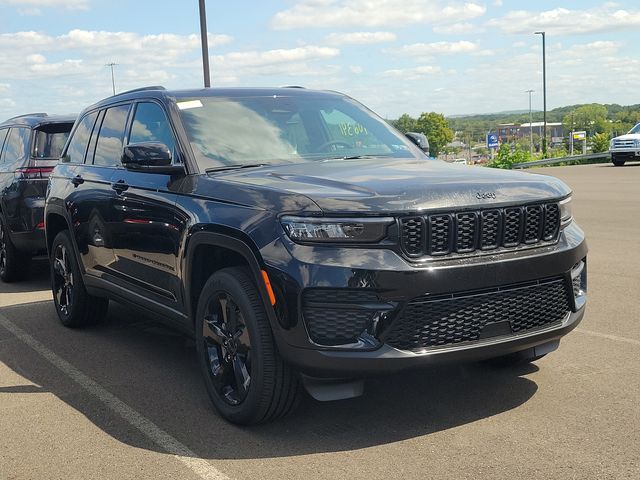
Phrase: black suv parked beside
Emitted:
{"points": [[30, 146], [301, 239]]}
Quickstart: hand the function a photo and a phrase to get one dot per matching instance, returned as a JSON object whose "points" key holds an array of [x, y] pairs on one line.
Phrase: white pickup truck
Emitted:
{"points": [[625, 147]]}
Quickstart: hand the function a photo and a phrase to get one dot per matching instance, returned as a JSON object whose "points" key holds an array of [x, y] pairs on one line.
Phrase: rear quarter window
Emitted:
{"points": [[49, 140]]}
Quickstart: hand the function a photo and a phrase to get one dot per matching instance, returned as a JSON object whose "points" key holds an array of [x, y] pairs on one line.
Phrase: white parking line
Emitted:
{"points": [[616, 338], [181, 452]]}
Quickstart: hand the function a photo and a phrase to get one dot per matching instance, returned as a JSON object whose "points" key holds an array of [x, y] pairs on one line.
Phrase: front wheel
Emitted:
{"points": [[74, 306], [245, 377], [617, 162]]}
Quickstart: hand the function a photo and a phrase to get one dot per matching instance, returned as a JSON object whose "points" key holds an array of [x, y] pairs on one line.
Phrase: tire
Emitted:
{"points": [[514, 359], [617, 162], [14, 264], [74, 306], [246, 379]]}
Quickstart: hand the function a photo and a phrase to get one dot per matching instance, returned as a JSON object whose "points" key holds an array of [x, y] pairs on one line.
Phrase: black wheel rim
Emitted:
{"points": [[227, 348], [3, 251], [62, 279]]}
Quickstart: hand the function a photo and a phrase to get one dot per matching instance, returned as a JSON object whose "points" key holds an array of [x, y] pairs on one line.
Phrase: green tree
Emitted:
{"points": [[437, 130], [591, 118], [600, 143], [508, 155], [405, 123]]}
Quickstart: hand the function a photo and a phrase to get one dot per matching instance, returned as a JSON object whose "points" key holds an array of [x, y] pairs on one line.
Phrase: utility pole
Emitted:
{"points": [[530, 124], [205, 44], [544, 93], [113, 80]]}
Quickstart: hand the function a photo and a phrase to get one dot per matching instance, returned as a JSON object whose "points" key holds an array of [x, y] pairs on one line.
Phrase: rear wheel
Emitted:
{"points": [[74, 306], [245, 377], [14, 264], [617, 161]]}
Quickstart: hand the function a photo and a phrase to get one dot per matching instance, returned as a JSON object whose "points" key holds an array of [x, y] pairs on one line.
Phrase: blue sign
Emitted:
{"points": [[492, 140]]}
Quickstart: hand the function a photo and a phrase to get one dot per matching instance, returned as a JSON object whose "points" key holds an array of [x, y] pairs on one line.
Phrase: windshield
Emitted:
{"points": [[50, 140], [635, 129], [235, 131]]}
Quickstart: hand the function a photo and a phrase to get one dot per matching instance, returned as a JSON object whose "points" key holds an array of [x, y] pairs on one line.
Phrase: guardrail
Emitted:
{"points": [[554, 161]]}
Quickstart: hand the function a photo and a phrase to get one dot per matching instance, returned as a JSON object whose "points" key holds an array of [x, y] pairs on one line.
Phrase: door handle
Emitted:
{"points": [[77, 180], [120, 186]]}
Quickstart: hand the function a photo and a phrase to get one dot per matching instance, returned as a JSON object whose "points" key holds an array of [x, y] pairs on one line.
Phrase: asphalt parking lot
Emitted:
{"points": [[125, 399]]}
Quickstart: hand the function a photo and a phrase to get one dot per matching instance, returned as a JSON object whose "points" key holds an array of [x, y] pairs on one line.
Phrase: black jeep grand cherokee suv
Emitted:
{"points": [[30, 146], [301, 239]]}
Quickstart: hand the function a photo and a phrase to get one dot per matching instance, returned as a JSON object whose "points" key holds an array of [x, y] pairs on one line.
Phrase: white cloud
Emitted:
{"points": [[414, 73], [457, 29], [562, 21], [7, 103], [35, 5], [497, 3], [437, 48], [359, 38], [373, 13], [355, 69]]}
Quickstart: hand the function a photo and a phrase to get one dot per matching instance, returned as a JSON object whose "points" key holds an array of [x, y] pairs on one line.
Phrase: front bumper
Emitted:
{"points": [[294, 268], [628, 154]]}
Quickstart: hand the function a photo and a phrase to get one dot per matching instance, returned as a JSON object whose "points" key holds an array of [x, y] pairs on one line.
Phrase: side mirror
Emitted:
{"points": [[152, 157], [419, 140]]}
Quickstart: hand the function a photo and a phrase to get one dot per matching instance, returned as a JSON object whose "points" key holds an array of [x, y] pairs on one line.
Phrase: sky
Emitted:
{"points": [[395, 56]]}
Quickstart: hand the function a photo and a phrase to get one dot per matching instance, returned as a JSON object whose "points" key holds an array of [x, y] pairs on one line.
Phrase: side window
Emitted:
{"points": [[80, 137], [109, 145], [16, 148], [150, 124], [3, 135]]}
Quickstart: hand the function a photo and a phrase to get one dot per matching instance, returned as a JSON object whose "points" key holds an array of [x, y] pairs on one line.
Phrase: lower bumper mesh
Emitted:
{"points": [[428, 322]]}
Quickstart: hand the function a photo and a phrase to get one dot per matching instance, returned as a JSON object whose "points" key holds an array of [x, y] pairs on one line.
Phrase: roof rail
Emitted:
{"points": [[39, 114], [141, 89], [293, 86]]}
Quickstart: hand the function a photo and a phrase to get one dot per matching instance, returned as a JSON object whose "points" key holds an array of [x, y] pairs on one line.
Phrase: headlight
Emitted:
{"points": [[337, 230], [565, 211], [637, 143], [611, 143]]}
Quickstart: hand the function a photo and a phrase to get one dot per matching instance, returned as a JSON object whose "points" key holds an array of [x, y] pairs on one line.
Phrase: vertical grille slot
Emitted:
{"points": [[440, 227], [490, 225], [533, 223], [512, 226], [466, 228], [413, 236], [551, 221]]}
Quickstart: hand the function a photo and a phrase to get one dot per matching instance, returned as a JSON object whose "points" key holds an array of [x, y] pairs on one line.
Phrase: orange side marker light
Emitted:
{"points": [[267, 284]]}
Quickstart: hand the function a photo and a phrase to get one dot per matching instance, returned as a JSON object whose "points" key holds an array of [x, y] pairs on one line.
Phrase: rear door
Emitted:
{"points": [[147, 239]]}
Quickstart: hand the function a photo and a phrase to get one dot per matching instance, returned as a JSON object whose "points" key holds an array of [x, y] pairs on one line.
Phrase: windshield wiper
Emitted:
{"points": [[354, 157], [238, 166]]}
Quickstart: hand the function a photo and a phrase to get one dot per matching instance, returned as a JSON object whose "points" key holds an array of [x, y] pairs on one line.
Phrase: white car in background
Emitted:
{"points": [[625, 147]]}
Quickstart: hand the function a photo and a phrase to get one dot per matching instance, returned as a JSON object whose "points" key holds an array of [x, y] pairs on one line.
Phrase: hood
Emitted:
{"points": [[628, 136], [400, 185]]}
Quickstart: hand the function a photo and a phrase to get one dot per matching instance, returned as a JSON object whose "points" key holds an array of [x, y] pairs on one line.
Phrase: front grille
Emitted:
{"points": [[337, 316], [624, 143], [466, 232], [434, 322]]}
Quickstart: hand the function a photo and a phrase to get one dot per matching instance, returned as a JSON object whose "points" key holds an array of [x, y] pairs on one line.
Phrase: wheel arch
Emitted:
{"points": [[203, 249]]}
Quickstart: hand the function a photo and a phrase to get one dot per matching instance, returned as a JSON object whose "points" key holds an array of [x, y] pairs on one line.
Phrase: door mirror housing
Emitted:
{"points": [[419, 140], [152, 157]]}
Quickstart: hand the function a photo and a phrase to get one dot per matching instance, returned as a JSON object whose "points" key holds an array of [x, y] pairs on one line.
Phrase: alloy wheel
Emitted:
{"points": [[62, 279], [227, 348], [3, 251]]}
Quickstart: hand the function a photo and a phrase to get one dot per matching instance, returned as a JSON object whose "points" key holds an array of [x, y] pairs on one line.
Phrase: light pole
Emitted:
{"points": [[113, 80], [530, 124], [205, 44], [544, 93]]}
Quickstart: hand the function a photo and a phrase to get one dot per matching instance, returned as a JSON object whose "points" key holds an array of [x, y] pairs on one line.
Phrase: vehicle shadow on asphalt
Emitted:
{"points": [[153, 369]]}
